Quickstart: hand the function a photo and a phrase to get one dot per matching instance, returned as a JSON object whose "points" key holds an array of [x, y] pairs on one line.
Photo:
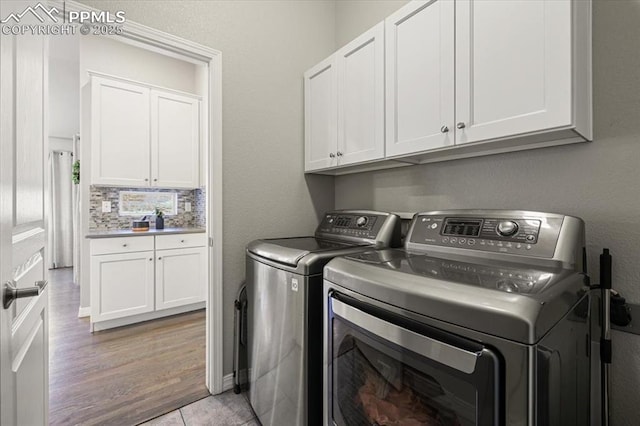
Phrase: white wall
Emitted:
{"points": [[266, 46], [64, 92], [598, 181], [98, 53]]}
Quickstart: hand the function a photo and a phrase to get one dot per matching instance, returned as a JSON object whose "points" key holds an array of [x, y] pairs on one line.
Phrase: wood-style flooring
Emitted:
{"points": [[122, 376]]}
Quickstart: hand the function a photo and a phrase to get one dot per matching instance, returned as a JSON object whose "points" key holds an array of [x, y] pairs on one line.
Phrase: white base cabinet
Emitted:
{"points": [[180, 277], [139, 278]]}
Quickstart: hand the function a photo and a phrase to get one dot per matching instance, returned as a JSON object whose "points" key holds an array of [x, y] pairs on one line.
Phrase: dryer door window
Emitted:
{"points": [[384, 373]]}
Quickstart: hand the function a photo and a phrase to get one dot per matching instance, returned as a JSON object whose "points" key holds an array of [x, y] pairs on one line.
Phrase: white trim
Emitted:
{"points": [[158, 41], [147, 316], [143, 84], [84, 311], [227, 382]]}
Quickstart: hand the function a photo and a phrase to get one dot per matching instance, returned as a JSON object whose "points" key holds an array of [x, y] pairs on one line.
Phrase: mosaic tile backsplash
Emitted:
{"points": [[99, 221]]}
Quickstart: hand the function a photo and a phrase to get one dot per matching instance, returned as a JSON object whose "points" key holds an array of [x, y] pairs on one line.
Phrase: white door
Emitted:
{"points": [[360, 67], [24, 331], [180, 277], [420, 77], [513, 67], [175, 140], [320, 115], [120, 142]]}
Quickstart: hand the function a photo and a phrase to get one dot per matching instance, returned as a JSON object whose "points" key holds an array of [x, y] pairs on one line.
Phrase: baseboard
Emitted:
{"points": [[227, 382], [84, 311]]}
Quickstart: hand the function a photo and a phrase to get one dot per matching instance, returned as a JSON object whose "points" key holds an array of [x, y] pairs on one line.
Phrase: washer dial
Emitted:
{"points": [[507, 228]]}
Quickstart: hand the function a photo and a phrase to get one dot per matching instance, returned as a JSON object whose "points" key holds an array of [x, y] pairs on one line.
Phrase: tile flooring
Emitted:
{"points": [[227, 409]]}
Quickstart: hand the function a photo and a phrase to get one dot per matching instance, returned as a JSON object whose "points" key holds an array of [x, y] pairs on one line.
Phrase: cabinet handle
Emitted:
{"points": [[461, 125], [182, 241], [124, 245], [160, 258], [332, 155], [339, 154], [150, 259], [155, 179], [444, 129], [146, 179]]}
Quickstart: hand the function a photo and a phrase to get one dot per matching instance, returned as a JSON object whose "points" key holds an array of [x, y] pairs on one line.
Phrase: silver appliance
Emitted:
{"points": [[482, 319], [284, 292]]}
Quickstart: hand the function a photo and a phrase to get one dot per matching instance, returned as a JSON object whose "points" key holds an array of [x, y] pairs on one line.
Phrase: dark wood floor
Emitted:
{"points": [[122, 376]]}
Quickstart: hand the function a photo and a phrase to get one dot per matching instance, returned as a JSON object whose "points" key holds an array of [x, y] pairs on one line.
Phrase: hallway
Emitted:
{"points": [[122, 376]]}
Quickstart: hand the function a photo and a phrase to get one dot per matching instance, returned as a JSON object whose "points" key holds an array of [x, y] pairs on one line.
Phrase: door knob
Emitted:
{"points": [[339, 154], [11, 293], [461, 125], [444, 129], [332, 155]]}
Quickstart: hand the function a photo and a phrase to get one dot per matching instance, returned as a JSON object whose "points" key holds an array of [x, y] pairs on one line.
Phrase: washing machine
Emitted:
{"points": [[481, 319], [284, 294]]}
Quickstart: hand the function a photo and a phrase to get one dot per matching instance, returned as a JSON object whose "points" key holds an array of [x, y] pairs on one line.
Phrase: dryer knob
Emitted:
{"points": [[362, 221], [507, 228]]}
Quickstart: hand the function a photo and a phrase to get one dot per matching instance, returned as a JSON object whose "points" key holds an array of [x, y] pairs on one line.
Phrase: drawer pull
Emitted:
{"points": [[124, 245], [182, 241], [160, 258]]}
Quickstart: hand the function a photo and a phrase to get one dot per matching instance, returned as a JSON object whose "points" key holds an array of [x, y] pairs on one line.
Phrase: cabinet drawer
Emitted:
{"points": [[180, 240], [121, 245]]}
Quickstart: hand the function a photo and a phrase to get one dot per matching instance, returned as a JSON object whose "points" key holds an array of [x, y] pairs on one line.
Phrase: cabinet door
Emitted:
{"points": [[420, 77], [513, 67], [180, 277], [175, 136], [120, 141], [320, 115], [360, 67], [121, 285]]}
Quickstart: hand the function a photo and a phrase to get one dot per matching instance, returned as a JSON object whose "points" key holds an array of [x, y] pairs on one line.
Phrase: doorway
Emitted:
{"points": [[209, 335]]}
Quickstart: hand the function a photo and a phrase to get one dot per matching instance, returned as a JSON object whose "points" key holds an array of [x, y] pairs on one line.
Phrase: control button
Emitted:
{"points": [[507, 228], [462, 240], [471, 242], [528, 246], [530, 237], [454, 240], [330, 220], [434, 225], [518, 246], [499, 244], [482, 242], [490, 243], [445, 239], [509, 245], [362, 221]]}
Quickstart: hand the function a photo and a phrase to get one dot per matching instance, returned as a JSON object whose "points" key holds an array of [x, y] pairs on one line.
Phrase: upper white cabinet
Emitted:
{"points": [[462, 78], [321, 115], [514, 72], [175, 140], [420, 77], [344, 104], [120, 152], [143, 136], [360, 66]]}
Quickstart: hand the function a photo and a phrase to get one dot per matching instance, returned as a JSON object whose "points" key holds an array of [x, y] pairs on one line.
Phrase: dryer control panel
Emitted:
{"points": [[512, 232]]}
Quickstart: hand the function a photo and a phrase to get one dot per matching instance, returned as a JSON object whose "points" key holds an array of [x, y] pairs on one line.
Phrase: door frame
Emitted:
{"points": [[179, 48]]}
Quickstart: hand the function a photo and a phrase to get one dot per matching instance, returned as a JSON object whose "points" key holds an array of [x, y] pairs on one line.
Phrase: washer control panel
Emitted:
{"points": [[357, 225], [527, 235]]}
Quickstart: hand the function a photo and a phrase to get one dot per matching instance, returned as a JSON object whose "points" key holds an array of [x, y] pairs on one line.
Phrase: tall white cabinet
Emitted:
{"points": [[143, 136]]}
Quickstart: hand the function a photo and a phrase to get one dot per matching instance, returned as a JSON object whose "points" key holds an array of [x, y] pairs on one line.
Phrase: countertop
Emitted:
{"points": [[114, 233]]}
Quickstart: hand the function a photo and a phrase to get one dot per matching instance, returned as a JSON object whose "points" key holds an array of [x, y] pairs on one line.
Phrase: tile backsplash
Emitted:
{"points": [[99, 221]]}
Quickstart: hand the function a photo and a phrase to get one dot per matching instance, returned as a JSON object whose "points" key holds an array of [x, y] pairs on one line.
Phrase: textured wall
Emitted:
{"points": [[597, 181], [266, 46]]}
